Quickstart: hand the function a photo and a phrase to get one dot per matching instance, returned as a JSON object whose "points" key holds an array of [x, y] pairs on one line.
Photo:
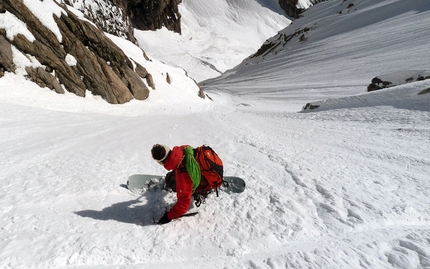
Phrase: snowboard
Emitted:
{"points": [[142, 182]]}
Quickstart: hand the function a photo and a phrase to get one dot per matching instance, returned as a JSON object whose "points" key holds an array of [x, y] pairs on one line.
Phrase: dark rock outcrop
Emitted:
{"points": [[426, 91], [111, 16], [397, 78], [101, 67], [291, 9], [309, 106], [119, 17], [281, 41], [6, 58], [152, 15]]}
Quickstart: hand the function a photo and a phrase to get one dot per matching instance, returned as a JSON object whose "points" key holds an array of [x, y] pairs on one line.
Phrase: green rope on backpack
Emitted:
{"points": [[192, 166]]}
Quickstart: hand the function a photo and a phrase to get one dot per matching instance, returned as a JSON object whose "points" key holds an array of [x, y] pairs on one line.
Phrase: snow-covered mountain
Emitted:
{"points": [[216, 35], [346, 186], [117, 79], [336, 44]]}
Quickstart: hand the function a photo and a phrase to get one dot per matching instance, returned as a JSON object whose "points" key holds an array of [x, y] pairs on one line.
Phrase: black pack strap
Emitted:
{"points": [[197, 200], [200, 199]]}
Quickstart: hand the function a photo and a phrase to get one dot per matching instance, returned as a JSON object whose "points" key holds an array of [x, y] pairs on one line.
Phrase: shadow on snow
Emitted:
{"points": [[135, 211]]}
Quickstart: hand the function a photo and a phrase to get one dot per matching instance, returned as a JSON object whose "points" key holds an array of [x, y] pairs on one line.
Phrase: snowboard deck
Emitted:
{"points": [[143, 182]]}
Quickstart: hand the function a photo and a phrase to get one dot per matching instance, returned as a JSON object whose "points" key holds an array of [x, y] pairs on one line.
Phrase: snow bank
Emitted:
{"points": [[405, 97], [397, 78]]}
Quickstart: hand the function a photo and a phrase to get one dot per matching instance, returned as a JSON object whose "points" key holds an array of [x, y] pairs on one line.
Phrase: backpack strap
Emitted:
{"points": [[200, 199]]}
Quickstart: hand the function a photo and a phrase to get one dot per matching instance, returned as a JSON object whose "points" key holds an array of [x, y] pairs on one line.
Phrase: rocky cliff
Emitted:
{"points": [[85, 59], [79, 58], [111, 16], [119, 17], [152, 15]]}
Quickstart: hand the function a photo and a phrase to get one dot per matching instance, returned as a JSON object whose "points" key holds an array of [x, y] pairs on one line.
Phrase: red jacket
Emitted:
{"points": [[184, 184]]}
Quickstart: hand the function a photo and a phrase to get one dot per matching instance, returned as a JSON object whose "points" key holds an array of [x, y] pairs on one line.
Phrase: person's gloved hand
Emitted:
{"points": [[164, 219]]}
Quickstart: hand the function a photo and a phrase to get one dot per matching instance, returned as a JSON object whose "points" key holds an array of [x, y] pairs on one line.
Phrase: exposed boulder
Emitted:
{"points": [[101, 67], [168, 78], [6, 57], [309, 106], [141, 71], [43, 78]]}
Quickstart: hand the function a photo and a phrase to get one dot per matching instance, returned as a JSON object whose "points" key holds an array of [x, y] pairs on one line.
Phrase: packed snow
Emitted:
{"points": [[346, 186]]}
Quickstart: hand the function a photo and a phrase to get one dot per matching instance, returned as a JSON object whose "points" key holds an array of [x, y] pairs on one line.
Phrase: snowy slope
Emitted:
{"points": [[348, 43], [343, 188], [216, 35], [346, 187]]}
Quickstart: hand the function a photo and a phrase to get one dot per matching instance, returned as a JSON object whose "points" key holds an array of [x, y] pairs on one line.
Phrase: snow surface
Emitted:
{"points": [[216, 36], [14, 26], [342, 52], [44, 11], [345, 187]]}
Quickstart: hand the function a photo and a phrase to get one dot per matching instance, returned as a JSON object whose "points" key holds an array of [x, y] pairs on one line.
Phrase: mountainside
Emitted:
{"points": [[216, 35], [119, 17], [354, 40], [56, 47], [192, 33], [92, 62]]}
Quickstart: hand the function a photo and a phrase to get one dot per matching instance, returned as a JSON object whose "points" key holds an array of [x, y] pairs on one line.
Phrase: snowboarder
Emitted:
{"points": [[173, 160], [186, 177]]}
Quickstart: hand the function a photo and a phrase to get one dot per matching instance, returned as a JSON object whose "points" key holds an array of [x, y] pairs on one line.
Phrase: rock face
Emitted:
{"points": [[119, 17], [280, 41], [292, 9], [111, 16], [152, 15], [98, 65], [6, 57]]}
